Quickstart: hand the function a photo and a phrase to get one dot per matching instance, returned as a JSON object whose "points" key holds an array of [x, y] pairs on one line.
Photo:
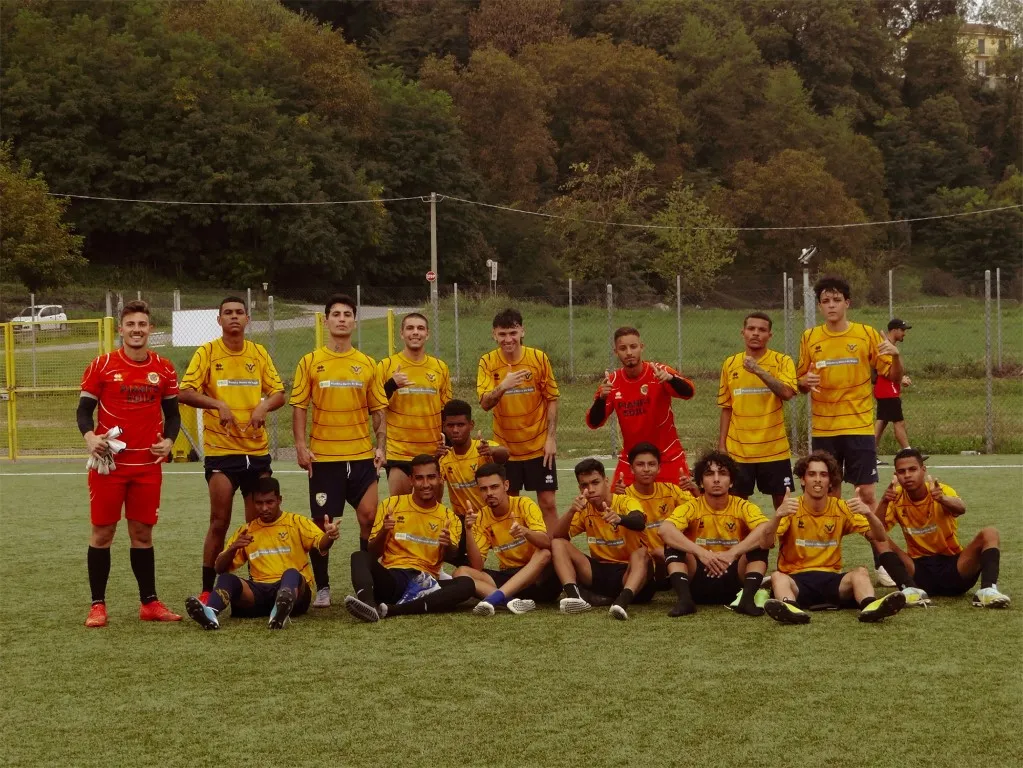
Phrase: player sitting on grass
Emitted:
{"points": [[716, 541], [809, 530], [936, 563], [513, 527], [276, 545], [618, 564], [412, 535]]}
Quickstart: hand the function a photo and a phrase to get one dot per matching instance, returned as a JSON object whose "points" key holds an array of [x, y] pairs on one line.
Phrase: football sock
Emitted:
{"points": [[228, 587], [451, 593], [143, 565], [866, 601], [320, 572], [363, 545], [209, 575], [989, 567], [892, 563], [496, 598], [877, 560], [571, 590], [680, 583], [98, 562], [362, 576], [750, 585], [292, 579], [624, 598]]}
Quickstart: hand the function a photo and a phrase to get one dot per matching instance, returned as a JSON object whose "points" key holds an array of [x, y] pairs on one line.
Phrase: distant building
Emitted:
{"points": [[984, 43]]}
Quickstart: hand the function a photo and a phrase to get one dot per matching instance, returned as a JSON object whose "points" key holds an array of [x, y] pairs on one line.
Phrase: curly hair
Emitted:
{"points": [[723, 460]]}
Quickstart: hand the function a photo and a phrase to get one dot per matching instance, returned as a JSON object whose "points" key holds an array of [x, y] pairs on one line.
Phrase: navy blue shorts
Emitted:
{"points": [[532, 475], [546, 589], [856, 456], [939, 575], [335, 482], [266, 595], [770, 477], [819, 589], [243, 471]]}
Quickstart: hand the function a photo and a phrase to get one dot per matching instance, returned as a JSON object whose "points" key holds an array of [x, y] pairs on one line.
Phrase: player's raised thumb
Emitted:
{"points": [[326, 520], [930, 480]]}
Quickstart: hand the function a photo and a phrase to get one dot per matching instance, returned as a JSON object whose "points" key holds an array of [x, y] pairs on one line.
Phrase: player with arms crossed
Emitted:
{"points": [[928, 513], [517, 383], [337, 382], [640, 394], [511, 526], [714, 544], [755, 384], [275, 545], [415, 386], [809, 529], [412, 535], [618, 564], [136, 391], [227, 379]]}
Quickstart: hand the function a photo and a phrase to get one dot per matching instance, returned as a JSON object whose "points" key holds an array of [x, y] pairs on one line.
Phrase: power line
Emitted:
{"points": [[260, 204]]}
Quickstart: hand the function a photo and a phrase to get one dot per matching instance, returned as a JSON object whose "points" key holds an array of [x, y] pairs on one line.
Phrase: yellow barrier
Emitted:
{"points": [[319, 329], [390, 331], [12, 395], [190, 422]]}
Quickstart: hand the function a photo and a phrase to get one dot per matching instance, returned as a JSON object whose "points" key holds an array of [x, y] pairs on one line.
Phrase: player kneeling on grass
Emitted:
{"points": [[809, 530], [513, 527], [276, 545], [936, 563], [618, 565], [412, 535], [714, 546]]}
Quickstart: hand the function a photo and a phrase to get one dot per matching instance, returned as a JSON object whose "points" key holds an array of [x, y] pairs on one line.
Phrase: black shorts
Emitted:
{"points": [[890, 409], [856, 456], [335, 482], [770, 477], [715, 590], [546, 589], [532, 475], [404, 466], [939, 575], [609, 579], [243, 471], [266, 596], [819, 589]]}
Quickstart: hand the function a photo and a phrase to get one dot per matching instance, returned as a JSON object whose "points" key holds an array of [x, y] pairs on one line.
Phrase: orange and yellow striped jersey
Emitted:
{"points": [[459, 473], [843, 404], [414, 542], [756, 431], [494, 534], [340, 387], [520, 416], [717, 530], [658, 505], [608, 543], [413, 412], [276, 547], [812, 542], [240, 379], [928, 528]]}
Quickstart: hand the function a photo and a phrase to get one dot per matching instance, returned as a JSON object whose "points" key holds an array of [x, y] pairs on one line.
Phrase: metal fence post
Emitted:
{"points": [[790, 300], [678, 321], [612, 423], [989, 413], [109, 305], [998, 313], [248, 301], [809, 317], [358, 313], [457, 341], [571, 335], [891, 300], [272, 344], [177, 300], [32, 327]]}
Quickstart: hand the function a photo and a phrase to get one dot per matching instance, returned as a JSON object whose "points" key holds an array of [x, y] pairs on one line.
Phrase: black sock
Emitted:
{"points": [[319, 563], [143, 565], [867, 601], [877, 560], [680, 583], [98, 563], [363, 545], [750, 585], [892, 563], [624, 598], [292, 579], [452, 592], [571, 590], [209, 575], [989, 567], [362, 576]]}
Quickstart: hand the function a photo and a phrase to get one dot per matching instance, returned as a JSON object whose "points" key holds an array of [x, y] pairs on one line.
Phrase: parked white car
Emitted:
{"points": [[51, 317]]}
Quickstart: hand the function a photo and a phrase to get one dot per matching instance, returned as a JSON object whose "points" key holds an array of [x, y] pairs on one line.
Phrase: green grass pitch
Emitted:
{"points": [[934, 687]]}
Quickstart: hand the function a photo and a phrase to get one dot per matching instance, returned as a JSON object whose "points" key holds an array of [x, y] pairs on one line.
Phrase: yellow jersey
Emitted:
{"points": [[276, 547], [812, 542], [414, 540], [459, 473], [494, 534], [520, 416], [413, 411], [340, 387], [756, 432], [717, 530], [240, 379], [608, 543], [844, 402], [658, 505], [928, 528]]}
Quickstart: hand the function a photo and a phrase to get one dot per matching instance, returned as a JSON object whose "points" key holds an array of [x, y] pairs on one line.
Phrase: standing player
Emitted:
{"points": [[928, 513], [517, 383], [715, 542], [337, 381], [888, 394], [618, 564], [640, 394], [415, 386], [462, 454], [754, 386], [228, 379], [809, 530], [136, 390]]}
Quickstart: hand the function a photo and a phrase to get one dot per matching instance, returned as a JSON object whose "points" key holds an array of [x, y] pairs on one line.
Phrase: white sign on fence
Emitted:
{"points": [[193, 327]]}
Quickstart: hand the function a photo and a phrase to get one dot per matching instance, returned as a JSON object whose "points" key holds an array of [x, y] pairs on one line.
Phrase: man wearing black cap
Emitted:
{"points": [[888, 394]]}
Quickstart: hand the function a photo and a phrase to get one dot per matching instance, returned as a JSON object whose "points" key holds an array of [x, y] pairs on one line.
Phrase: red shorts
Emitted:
{"points": [[136, 489], [669, 472]]}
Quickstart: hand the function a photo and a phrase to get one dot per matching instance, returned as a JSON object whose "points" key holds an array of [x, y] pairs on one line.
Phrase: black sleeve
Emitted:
{"points": [[681, 386], [597, 411], [390, 388], [171, 418], [634, 521], [86, 406]]}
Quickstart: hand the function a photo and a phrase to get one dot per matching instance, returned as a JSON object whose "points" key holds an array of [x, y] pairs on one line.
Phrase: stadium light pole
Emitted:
{"points": [[809, 316]]}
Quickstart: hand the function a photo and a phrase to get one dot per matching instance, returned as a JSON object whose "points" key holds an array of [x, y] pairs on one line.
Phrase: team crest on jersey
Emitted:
{"points": [[618, 395], [800, 524], [700, 525], [153, 377], [644, 389], [730, 526], [356, 369], [851, 347], [321, 499], [529, 375], [282, 535], [472, 467], [433, 526], [250, 367], [664, 508], [829, 527], [118, 377], [431, 377]]}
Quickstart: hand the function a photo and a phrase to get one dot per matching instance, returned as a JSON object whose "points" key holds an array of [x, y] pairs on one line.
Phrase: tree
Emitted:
{"points": [[935, 63], [36, 243], [511, 25], [419, 30]]}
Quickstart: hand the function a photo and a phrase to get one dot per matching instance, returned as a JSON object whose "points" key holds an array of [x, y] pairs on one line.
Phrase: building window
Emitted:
{"points": [[980, 68], [980, 46]]}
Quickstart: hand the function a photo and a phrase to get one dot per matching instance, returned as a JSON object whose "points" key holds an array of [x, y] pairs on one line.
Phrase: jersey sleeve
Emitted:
{"points": [[445, 386], [532, 517], [804, 354], [880, 363], [948, 490], [198, 369], [240, 557], [454, 527], [753, 515], [891, 518], [854, 523], [378, 521], [302, 388], [479, 535], [549, 386], [91, 382], [783, 526], [787, 372], [170, 379], [671, 390], [272, 383], [724, 391], [376, 398], [681, 516], [578, 524], [309, 533]]}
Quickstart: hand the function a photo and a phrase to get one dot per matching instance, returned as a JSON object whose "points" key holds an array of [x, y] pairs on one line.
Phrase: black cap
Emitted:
{"points": [[900, 324]]}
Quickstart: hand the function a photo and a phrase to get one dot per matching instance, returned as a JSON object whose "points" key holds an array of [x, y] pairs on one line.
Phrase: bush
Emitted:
{"points": [[938, 282]]}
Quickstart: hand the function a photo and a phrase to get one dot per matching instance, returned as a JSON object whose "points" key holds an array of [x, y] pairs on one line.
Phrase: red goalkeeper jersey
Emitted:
{"points": [[643, 407], [131, 397]]}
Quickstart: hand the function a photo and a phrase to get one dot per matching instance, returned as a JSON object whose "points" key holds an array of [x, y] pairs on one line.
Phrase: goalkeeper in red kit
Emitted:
{"points": [[640, 394], [136, 393]]}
